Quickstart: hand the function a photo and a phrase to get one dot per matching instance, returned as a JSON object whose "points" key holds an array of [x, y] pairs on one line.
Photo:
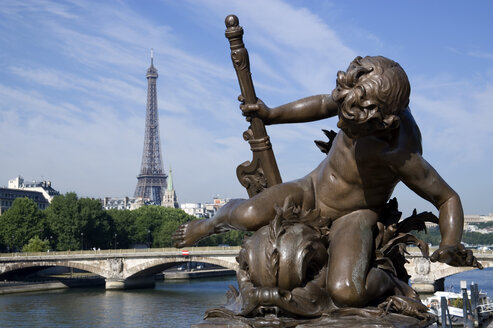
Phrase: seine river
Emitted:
{"points": [[170, 304]]}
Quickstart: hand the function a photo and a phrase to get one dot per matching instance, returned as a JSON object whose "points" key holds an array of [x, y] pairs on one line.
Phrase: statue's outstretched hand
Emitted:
{"points": [[258, 109], [455, 256]]}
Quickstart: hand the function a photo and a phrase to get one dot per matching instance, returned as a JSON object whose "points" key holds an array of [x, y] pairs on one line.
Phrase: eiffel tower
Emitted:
{"points": [[151, 182]]}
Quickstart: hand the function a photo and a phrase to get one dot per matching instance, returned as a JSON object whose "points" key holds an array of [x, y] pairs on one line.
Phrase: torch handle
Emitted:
{"points": [[257, 136]]}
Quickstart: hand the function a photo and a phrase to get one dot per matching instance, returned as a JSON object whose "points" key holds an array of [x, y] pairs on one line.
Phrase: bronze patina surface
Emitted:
{"points": [[328, 248]]}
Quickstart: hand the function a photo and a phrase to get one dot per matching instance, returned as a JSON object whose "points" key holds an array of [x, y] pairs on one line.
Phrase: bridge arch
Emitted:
{"points": [[160, 264], [45, 264]]}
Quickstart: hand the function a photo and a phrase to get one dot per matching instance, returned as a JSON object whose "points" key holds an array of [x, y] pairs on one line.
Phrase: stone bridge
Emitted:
{"points": [[136, 268], [122, 268], [427, 276]]}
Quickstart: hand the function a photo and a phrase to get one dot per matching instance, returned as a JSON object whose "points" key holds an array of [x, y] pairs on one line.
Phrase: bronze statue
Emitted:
{"points": [[331, 241]]}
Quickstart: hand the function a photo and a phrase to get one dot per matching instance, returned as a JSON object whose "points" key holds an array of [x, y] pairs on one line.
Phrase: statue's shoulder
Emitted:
{"points": [[409, 134], [406, 142]]}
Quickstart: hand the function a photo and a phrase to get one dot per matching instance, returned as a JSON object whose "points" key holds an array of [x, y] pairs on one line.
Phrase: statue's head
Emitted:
{"points": [[371, 94]]}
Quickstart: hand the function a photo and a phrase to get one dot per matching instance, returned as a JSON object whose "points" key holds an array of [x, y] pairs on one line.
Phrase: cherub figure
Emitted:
{"points": [[378, 145]]}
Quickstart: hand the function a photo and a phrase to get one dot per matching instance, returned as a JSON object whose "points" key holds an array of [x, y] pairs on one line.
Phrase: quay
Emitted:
{"points": [[194, 274], [84, 281], [13, 287]]}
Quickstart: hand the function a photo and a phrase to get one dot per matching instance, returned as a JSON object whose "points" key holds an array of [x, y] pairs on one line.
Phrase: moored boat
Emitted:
{"points": [[455, 315]]}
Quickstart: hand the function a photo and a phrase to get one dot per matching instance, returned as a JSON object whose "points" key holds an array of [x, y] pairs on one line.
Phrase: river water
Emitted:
{"points": [[170, 304]]}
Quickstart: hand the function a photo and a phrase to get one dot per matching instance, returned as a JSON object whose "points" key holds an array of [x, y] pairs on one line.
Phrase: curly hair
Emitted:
{"points": [[372, 88]]}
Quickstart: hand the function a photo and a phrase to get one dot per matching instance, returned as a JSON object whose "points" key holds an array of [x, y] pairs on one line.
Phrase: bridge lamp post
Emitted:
{"points": [[115, 241], [148, 238], [82, 241]]}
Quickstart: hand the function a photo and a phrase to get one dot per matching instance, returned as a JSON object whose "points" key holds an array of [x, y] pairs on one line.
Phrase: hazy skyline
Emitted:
{"points": [[73, 88]]}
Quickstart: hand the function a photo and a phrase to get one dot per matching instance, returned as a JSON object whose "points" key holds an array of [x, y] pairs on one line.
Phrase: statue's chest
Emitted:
{"points": [[355, 161]]}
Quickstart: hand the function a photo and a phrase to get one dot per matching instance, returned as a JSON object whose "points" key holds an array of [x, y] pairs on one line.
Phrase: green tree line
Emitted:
{"points": [[471, 238], [73, 223]]}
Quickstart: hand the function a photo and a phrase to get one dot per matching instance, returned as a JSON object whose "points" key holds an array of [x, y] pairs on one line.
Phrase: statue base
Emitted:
{"points": [[390, 320]]}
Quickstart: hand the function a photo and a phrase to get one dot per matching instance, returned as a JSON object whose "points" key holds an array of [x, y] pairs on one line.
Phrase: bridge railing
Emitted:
{"points": [[178, 251], [413, 251]]}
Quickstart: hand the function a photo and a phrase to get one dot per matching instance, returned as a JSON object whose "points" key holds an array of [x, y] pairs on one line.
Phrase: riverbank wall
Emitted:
{"points": [[12, 287], [194, 274]]}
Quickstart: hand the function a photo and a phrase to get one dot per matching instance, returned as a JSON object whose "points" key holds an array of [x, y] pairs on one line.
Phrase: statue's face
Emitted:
{"points": [[356, 130]]}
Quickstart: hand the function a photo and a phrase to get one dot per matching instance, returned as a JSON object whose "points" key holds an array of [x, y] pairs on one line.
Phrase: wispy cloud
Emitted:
{"points": [[455, 126], [100, 87], [480, 54], [44, 76]]}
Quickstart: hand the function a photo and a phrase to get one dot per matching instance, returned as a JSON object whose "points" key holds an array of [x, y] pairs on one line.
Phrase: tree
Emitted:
{"points": [[471, 238], [79, 223], [124, 222], [432, 236], [155, 224], [96, 224], [21, 222], [172, 219], [147, 220], [231, 238], [36, 245], [63, 219]]}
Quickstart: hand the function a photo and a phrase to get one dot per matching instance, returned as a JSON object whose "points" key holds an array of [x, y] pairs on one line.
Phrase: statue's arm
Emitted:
{"points": [[303, 110], [425, 181]]}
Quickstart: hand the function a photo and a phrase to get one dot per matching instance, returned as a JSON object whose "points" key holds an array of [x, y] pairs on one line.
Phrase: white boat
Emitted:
{"points": [[454, 305]]}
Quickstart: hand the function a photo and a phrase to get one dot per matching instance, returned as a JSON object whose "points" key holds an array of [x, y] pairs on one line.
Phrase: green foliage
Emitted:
{"points": [[21, 222], [432, 237], [124, 222], [484, 225], [79, 223], [470, 238], [476, 238], [36, 245], [63, 219], [457, 302], [147, 220], [97, 225], [231, 238], [147, 225], [70, 223], [173, 219]]}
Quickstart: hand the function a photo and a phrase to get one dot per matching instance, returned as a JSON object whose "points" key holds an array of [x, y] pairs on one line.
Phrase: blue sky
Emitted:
{"points": [[73, 87]]}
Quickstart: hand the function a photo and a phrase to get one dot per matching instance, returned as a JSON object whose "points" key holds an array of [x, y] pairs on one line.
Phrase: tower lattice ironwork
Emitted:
{"points": [[151, 182]]}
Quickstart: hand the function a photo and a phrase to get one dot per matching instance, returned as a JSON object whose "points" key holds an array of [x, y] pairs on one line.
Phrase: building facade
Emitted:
{"points": [[206, 210], [41, 193], [122, 203]]}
